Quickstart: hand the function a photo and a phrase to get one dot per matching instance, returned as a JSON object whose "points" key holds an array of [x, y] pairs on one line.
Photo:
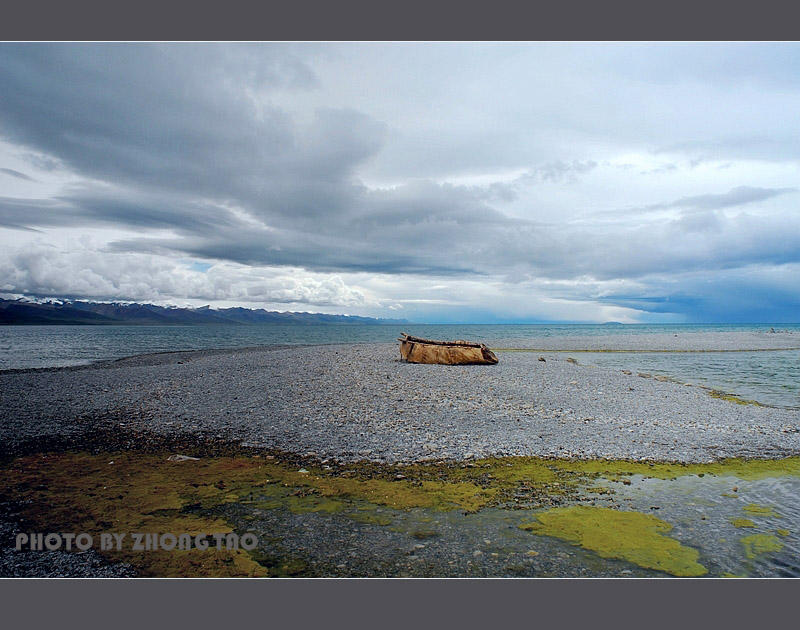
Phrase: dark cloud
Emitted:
{"points": [[17, 174], [181, 118], [753, 294], [192, 139], [31, 213], [104, 207], [176, 123], [111, 206]]}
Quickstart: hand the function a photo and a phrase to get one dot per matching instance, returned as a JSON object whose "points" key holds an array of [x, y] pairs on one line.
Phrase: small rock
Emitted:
{"points": [[180, 458], [303, 470]]}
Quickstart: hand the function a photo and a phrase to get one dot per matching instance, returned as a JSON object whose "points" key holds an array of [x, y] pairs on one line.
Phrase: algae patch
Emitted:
{"points": [[759, 544], [145, 492], [742, 522], [631, 536], [734, 398], [760, 510], [748, 469], [131, 492]]}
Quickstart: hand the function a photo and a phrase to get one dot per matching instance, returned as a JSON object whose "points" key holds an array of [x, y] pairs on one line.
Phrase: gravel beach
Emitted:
{"points": [[360, 402]]}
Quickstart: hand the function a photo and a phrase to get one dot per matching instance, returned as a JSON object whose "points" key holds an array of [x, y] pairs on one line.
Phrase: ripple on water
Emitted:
{"points": [[769, 377], [741, 527]]}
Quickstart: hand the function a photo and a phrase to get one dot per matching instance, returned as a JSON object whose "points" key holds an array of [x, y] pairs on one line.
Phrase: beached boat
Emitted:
{"points": [[459, 352]]}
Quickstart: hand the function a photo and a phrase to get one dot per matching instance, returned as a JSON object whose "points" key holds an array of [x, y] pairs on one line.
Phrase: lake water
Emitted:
{"points": [[768, 377]]}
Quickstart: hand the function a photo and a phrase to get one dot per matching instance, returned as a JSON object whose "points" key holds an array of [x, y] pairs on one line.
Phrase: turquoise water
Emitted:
{"points": [[769, 377]]}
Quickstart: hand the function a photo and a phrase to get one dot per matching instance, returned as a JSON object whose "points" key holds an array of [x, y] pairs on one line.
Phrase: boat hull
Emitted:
{"points": [[415, 350]]}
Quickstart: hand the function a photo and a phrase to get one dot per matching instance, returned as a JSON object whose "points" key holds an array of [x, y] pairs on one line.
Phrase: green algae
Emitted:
{"points": [[760, 510], [306, 504], [137, 492], [631, 536], [782, 532], [734, 398], [369, 518], [270, 504], [759, 544], [131, 491], [748, 469], [742, 522]]}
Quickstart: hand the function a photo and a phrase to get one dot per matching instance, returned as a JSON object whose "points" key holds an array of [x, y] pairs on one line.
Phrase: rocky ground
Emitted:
{"points": [[361, 402]]}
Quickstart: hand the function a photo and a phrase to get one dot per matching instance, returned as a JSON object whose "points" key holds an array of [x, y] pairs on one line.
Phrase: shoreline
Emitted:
{"points": [[348, 462], [360, 402]]}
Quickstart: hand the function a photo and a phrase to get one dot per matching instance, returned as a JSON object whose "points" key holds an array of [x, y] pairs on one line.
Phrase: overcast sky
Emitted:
{"points": [[439, 182]]}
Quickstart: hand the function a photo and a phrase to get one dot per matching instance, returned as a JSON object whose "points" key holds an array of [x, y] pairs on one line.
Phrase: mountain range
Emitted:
{"points": [[78, 312]]}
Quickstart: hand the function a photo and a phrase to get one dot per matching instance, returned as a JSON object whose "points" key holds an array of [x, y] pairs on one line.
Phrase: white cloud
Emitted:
{"points": [[77, 269]]}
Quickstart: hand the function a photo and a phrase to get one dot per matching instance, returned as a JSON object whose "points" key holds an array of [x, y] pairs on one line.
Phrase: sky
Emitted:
{"points": [[434, 182]]}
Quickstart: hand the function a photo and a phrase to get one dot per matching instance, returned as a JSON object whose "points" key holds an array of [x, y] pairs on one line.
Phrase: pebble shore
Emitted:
{"points": [[349, 403], [361, 402]]}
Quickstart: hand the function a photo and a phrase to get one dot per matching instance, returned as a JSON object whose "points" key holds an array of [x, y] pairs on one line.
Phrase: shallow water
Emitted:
{"points": [[703, 510], [768, 377], [490, 543]]}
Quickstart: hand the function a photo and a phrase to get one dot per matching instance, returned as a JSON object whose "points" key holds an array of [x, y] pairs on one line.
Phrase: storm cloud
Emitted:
{"points": [[442, 181]]}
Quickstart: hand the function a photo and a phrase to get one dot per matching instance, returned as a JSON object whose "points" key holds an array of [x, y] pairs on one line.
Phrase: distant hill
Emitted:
{"points": [[94, 313]]}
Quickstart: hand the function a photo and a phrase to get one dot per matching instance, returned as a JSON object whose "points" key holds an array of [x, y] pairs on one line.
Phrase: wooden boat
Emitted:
{"points": [[459, 352]]}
